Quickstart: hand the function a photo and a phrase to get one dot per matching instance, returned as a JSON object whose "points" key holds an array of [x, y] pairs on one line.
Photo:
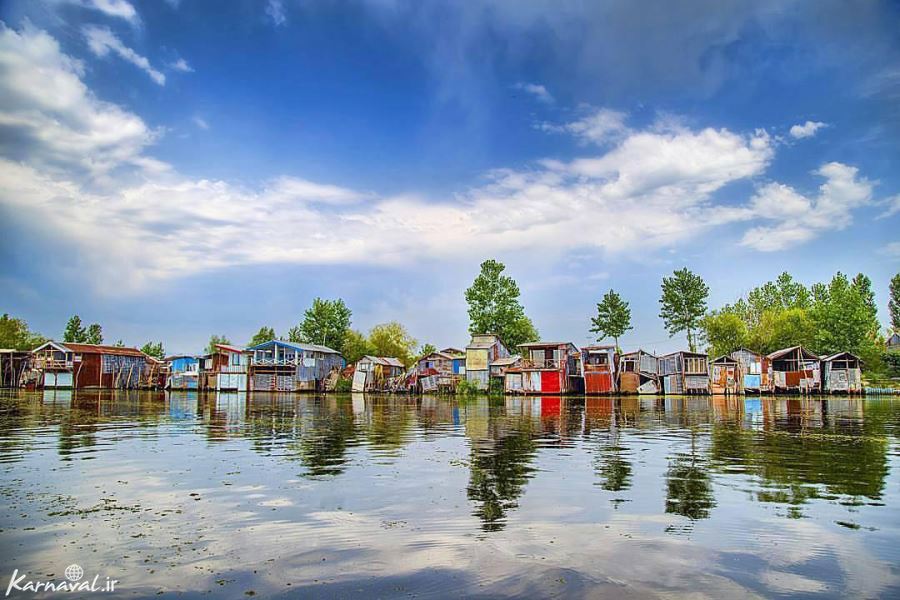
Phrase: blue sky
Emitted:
{"points": [[176, 169]]}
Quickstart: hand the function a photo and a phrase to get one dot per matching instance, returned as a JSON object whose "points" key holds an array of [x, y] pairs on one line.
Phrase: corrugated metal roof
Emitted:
{"points": [[102, 349], [723, 359], [388, 361], [295, 346], [506, 361], [229, 348], [539, 344], [838, 354], [779, 353]]}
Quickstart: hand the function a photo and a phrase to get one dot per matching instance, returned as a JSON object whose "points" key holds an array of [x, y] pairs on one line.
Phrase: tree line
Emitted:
{"points": [[826, 317]]}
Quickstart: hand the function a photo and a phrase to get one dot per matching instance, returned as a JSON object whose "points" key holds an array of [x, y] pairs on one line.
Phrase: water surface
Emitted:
{"points": [[361, 496]]}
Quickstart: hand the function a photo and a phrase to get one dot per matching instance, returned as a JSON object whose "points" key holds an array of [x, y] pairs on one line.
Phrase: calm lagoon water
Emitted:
{"points": [[359, 496]]}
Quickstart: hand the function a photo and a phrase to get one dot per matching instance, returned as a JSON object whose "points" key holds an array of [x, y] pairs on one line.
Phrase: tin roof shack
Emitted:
{"points": [[599, 369], [436, 363], [795, 369], [282, 366], [184, 372], [441, 370], [482, 351], [548, 368], [373, 373], [638, 373], [842, 373], [684, 373], [13, 366], [231, 369], [893, 342], [81, 366], [725, 376], [754, 370]]}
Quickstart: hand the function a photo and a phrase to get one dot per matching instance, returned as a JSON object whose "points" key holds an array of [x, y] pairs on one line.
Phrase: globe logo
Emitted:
{"points": [[74, 573]]}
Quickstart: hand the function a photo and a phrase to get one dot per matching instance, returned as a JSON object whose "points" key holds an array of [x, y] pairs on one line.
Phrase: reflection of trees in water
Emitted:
{"points": [[689, 490], [327, 433], [500, 468], [799, 452], [613, 466], [390, 422]]}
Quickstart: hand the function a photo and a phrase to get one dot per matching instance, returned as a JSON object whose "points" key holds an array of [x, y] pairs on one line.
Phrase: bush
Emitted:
{"points": [[343, 385], [465, 388]]}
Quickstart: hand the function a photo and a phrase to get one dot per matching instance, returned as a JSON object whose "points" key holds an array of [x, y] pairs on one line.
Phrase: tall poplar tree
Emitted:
{"points": [[683, 303], [494, 306], [613, 317]]}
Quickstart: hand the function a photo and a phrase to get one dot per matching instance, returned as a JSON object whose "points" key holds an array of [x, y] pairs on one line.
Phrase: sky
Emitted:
{"points": [[174, 169]]}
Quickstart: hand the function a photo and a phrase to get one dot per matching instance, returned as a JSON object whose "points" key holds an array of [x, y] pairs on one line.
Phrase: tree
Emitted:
{"points": [[326, 323], [844, 314], [216, 339], [425, 350], [894, 302], [155, 350], [725, 332], [75, 331], [262, 336], [94, 334], [683, 303], [613, 317], [494, 306], [355, 346], [392, 340], [14, 334], [119, 344]]}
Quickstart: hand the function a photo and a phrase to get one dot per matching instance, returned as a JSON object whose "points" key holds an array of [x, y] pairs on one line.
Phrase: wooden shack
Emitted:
{"points": [[155, 374], [232, 369], [795, 369], [599, 365], [282, 366], [14, 365], [547, 368], [842, 373], [684, 372], [183, 372], [81, 366], [755, 376], [638, 373], [725, 376], [373, 373], [482, 351]]}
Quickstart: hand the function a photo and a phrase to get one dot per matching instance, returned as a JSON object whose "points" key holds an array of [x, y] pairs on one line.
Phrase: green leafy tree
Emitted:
{"points": [[262, 336], [15, 335], [844, 314], [119, 344], [326, 323], [683, 303], [425, 350], [94, 334], [355, 346], [155, 350], [75, 331], [216, 339], [894, 302], [494, 306], [613, 318], [392, 340], [725, 332]]}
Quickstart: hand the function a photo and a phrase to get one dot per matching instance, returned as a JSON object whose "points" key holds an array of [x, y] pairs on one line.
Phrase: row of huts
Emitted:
{"points": [[546, 368]]}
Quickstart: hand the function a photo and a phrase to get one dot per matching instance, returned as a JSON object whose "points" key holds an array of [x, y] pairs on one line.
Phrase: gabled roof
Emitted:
{"points": [[684, 352], [547, 345], [637, 352], [91, 349], [296, 346], [839, 355], [180, 356], [453, 352], [724, 359], [785, 351], [506, 361], [229, 348], [387, 361], [441, 354]]}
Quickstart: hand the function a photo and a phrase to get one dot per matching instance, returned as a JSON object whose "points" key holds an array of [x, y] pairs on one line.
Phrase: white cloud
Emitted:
{"points": [[797, 218], [120, 9], [892, 205], [537, 90], [807, 129], [200, 122], [651, 189], [101, 40], [182, 66], [275, 11], [891, 249], [49, 117], [599, 126]]}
